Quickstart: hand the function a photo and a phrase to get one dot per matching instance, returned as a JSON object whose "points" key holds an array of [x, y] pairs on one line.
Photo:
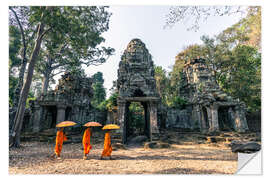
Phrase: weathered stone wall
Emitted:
{"points": [[254, 121], [71, 100], [177, 118], [211, 109]]}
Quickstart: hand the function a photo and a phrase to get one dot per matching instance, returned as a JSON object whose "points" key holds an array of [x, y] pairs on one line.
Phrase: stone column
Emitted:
{"points": [[153, 118], [61, 110], [122, 113], [214, 120], [36, 118], [196, 117], [203, 120], [240, 120], [232, 117], [209, 116], [147, 130]]}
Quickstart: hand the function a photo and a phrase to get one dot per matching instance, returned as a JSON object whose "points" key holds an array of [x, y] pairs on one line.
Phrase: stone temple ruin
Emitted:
{"points": [[136, 83], [209, 108], [70, 101]]}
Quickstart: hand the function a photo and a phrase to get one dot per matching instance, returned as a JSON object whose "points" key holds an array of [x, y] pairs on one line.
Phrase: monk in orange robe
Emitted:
{"points": [[107, 146], [60, 138], [86, 142]]}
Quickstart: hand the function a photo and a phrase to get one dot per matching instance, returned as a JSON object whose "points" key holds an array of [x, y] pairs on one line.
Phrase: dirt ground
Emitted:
{"points": [[35, 158]]}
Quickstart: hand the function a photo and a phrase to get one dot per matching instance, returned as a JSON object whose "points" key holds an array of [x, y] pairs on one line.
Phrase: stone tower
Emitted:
{"points": [[136, 83], [212, 108]]}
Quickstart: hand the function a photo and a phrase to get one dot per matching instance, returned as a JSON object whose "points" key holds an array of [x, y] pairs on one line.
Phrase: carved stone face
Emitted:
{"points": [[136, 70], [135, 51]]}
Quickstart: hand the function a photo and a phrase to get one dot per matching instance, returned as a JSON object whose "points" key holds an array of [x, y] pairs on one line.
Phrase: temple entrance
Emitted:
{"points": [[53, 114], [136, 120], [68, 114], [50, 117], [205, 116], [138, 97], [224, 120]]}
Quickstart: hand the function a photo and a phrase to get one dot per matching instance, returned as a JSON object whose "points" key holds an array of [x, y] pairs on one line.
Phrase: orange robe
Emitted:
{"points": [[86, 141], [107, 145], [60, 138]]}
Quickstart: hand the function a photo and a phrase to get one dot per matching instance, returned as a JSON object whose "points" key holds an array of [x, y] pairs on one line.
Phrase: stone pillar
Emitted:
{"points": [[122, 113], [147, 130], [204, 127], [61, 111], [209, 116], [196, 117], [232, 117], [240, 120], [36, 118], [153, 118], [214, 120]]}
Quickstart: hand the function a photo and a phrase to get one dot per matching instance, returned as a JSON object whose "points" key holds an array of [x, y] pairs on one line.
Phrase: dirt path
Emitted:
{"points": [[34, 158]]}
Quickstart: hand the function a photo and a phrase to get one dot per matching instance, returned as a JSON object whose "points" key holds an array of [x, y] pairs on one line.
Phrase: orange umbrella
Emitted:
{"points": [[90, 124], [66, 124], [111, 126]]}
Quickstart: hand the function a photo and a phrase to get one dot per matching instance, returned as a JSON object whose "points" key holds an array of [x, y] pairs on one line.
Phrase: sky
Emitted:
{"points": [[147, 23]]}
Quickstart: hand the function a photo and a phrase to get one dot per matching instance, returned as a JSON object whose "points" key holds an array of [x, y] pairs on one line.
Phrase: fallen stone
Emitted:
{"points": [[248, 147], [156, 145], [138, 139]]}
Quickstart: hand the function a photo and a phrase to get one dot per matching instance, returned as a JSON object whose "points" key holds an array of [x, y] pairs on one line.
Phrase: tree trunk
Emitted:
{"points": [[45, 81], [22, 69], [18, 121], [46, 75]]}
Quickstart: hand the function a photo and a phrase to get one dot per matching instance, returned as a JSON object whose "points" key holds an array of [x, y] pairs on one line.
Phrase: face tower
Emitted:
{"points": [[136, 83]]}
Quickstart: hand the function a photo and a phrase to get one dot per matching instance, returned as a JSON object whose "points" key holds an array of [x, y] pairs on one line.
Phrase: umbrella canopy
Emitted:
{"points": [[91, 124], [66, 124], [111, 126]]}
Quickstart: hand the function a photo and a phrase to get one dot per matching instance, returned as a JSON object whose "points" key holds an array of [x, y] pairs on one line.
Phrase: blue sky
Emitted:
{"points": [[147, 23]]}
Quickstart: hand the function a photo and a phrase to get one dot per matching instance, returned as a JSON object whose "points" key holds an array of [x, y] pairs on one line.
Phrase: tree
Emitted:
{"points": [[17, 19], [199, 14], [14, 61], [99, 90], [59, 55], [162, 83], [80, 27], [243, 79]]}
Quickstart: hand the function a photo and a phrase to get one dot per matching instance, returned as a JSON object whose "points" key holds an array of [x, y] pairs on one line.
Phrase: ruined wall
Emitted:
{"points": [[71, 100], [210, 108]]}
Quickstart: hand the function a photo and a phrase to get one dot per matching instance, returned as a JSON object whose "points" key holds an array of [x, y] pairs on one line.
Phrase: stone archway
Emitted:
{"points": [[136, 83]]}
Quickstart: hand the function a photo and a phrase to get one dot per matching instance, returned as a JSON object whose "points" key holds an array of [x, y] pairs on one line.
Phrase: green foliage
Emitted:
{"points": [[14, 60], [72, 36], [136, 118], [30, 98], [98, 90], [109, 104], [162, 83], [235, 57], [98, 77], [243, 77], [177, 102], [14, 47], [12, 85]]}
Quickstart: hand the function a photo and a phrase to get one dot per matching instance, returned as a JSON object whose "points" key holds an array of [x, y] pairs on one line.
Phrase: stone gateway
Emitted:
{"points": [[136, 83]]}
